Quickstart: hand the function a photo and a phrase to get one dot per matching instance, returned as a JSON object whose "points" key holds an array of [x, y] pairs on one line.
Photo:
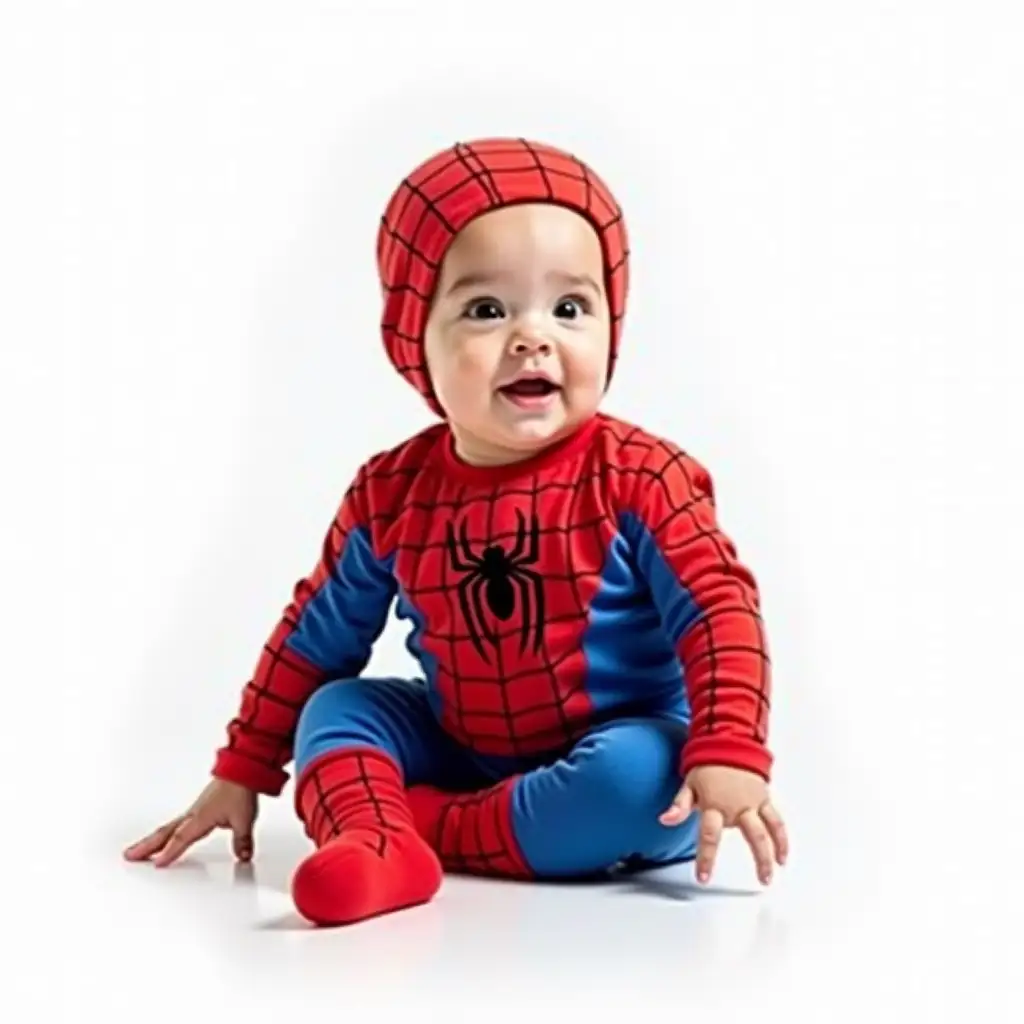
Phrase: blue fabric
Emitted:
{"points": [[676, 607], [393, 715], [632, 665], [342, 620], [587, 811], [599, 805]]}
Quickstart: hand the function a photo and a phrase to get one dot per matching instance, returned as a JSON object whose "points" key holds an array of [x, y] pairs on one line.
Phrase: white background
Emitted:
{"points": [[826, 214]]}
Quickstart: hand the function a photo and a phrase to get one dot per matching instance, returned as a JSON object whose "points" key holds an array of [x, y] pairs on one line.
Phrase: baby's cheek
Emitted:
{"points": [[474, 365], [587, 373], [462, 380]]}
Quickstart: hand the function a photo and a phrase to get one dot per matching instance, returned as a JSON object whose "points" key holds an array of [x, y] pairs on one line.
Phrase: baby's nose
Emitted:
{"points": [[530, 341]]}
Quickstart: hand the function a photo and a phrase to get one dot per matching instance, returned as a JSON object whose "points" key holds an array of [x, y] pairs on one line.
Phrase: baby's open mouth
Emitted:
{"points": [[536, 388]]}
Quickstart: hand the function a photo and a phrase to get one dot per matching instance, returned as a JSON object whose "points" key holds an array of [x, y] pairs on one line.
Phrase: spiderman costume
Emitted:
{"points": [[585, 631]]}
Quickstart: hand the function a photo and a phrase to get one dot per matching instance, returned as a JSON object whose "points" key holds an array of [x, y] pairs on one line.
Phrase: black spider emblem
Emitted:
{"points": [[495, 579]]}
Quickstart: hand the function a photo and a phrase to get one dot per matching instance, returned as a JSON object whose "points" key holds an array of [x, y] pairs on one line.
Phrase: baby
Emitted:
{"points": [[596, 683]]}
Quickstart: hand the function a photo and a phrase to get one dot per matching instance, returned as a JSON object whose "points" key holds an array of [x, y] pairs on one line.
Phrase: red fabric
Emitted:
{"points": [[470, 832], [441, 196], [370, 859], [528, 687]]}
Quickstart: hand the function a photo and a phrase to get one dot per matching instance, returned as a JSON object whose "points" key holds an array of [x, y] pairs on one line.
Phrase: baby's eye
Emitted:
{"points": [[572, 307], [483, 309]]}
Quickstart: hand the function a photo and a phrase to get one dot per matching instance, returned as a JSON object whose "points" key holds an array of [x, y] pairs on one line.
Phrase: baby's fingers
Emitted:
{"points": [[241, 843], [148, 845], [710, 837], [680, 808], [777, 828], [756, 835], [190, 830]]}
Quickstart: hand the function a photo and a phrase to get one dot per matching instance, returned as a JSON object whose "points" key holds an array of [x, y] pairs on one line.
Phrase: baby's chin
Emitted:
{"points": [[528, 433], [532, 438]]}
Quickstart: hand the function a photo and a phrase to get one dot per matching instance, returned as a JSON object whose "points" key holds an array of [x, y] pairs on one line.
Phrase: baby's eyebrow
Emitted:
{"points": [[575, 280], [474, 279]]}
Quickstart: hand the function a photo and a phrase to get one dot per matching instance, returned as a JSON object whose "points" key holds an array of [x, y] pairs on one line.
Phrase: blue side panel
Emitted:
{"points": [[632, 665], [677, 607], [408, 611], [340, 623]]}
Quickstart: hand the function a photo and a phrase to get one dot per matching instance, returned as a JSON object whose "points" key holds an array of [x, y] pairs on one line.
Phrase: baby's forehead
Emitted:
{"points": [[538, 233]]}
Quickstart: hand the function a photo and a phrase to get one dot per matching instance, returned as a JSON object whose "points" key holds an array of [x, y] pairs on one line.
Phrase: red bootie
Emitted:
{"points": [[370, 859], [470, 832]]}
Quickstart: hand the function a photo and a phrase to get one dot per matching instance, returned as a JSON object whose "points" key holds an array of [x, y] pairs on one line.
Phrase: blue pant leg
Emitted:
{"points": [[392, 715], [599, 806]]}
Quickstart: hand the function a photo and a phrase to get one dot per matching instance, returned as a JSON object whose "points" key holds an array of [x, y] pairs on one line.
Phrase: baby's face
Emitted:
{"points": [[518, 335]]}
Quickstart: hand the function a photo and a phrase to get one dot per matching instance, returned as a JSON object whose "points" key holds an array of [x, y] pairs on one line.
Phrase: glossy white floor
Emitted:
{"points": [[504, 949], [208, 938]]}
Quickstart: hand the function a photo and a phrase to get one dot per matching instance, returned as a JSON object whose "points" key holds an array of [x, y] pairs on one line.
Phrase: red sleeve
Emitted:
{"points": [[326, 632], [710, 606]]}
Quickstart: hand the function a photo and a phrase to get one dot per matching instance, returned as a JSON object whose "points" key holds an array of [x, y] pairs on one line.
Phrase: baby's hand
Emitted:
{"points": [[731, 798], [221, 805]]}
